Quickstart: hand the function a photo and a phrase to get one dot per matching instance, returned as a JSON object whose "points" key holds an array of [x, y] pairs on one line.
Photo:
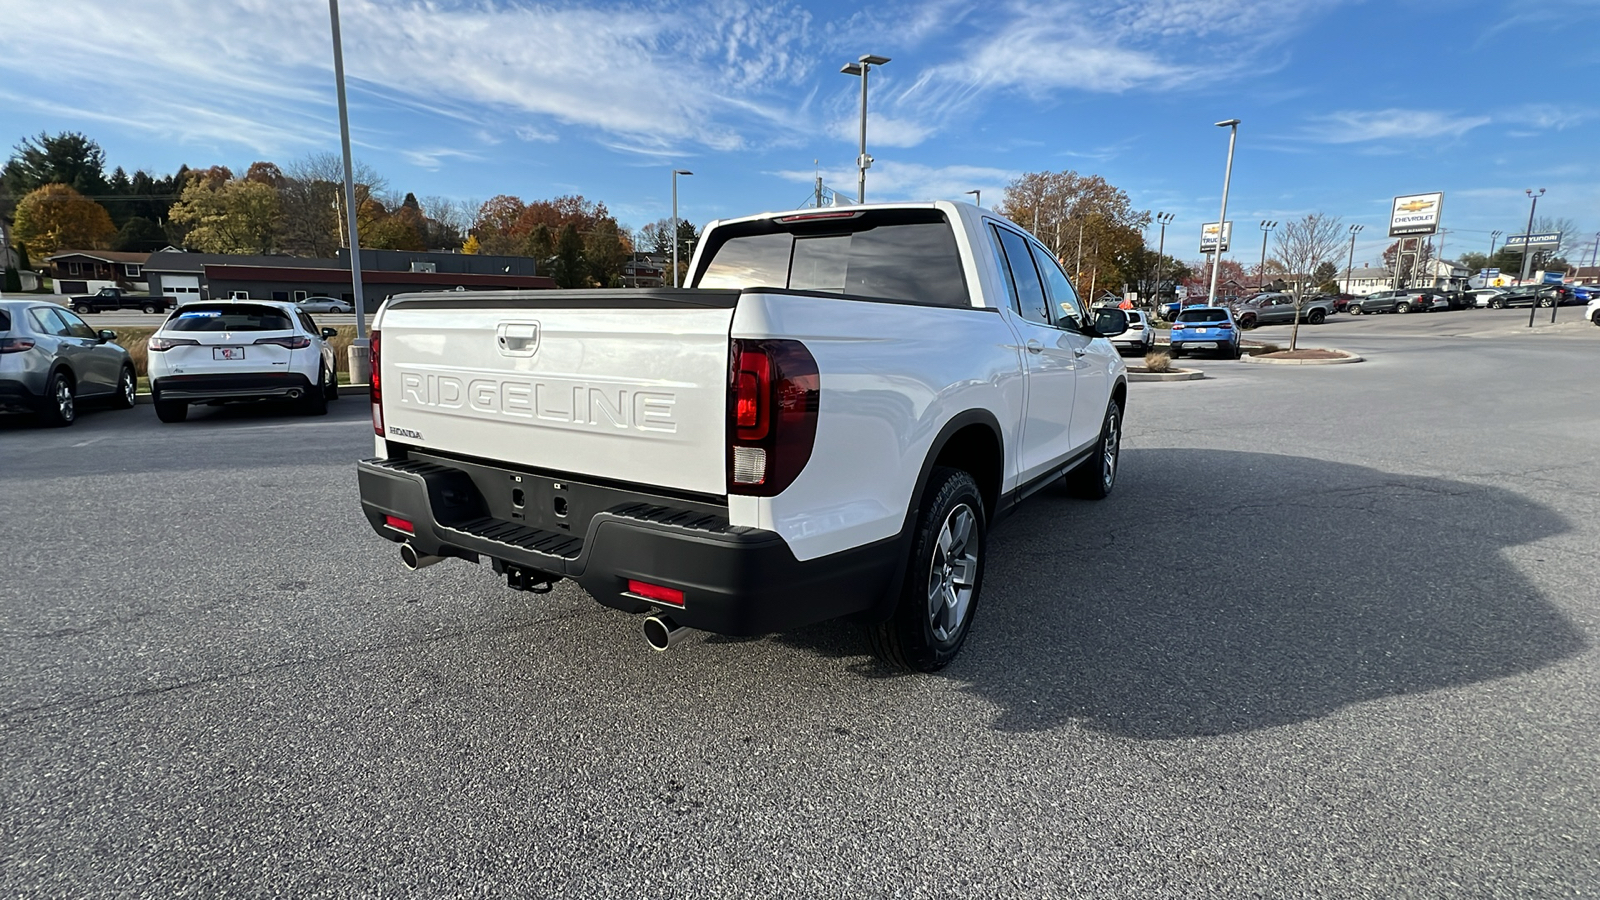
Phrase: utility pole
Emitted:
{"points": [[1261, 273], [1526, 256], [1161, 249], [1348, 289], [675, 174], [359, 356]]}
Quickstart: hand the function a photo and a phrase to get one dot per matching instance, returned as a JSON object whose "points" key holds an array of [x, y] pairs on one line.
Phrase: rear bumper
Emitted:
{"points": [[735, 580], [17, 395], [241, 386]]}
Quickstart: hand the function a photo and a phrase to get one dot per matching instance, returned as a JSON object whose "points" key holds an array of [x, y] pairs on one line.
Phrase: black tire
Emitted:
{"points": [[1596, 319], [315, 401], [1547, 301], [1316, 317], [1402, 308], [1353, 310], [60, 405], [1247, 323], [1174, 352], [331, 388], [917, 637], [171, 411], [127, 394], [150, 308], [1496, 303], [83, 310], [1095, 477], [1237, 351]]}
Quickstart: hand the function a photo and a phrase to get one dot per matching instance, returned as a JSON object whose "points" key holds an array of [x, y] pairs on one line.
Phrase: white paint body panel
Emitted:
{"points": [[636, 395]]}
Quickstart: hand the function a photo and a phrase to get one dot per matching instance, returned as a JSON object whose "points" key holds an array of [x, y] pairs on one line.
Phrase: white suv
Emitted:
{"points": [[1140, 335], [219, 351], [1593, 310]]}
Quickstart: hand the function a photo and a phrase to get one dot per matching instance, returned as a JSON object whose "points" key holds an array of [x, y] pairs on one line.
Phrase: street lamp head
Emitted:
{"points": [[871, 60], [851, 69], [1226, 123], [682, 172]]}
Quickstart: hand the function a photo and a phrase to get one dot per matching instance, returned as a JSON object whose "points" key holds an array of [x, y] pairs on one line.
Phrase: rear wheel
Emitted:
{"points": [[1497, 303], [1316, 317], [940, 593], [171, 411], [150, 308], [1402, 308], [1353, 310], [127, 389], [60, 401], [1247, 323], [1094, 478], [1175, 352], [315, 402], [82, 310]]}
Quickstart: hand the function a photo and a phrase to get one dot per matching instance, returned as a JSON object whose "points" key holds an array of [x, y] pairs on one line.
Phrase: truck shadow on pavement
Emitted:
{"points": [[1218, 592]]}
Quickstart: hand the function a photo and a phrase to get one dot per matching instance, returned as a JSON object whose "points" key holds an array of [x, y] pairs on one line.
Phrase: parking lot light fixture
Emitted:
{"points": [[1348, 266], [1222, 221], [977, 197], [359, 363], [1165, 218], [863, 161], [675, 173]]}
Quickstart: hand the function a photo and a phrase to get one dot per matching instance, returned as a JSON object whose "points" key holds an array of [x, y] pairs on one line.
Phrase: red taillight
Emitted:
{"points": [[293, 342], [774, 393], [15, 345], [656, 592], [163, 344], [1224, 326], [399, 524], [375, 387]]}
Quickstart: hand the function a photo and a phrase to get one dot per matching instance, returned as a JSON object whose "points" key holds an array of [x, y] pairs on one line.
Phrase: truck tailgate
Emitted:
{"points": [[623, 385]]}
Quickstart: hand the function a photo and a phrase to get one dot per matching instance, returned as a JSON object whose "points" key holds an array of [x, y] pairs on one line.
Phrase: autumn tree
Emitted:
{"points": [[1417, 255], [230, 216], [68, 158], [569, 270], [56, 217], [1089, 224], [471, 247]]}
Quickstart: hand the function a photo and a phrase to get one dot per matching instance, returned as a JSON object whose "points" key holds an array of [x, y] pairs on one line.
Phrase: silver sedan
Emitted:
{"points": [[325, 305]]}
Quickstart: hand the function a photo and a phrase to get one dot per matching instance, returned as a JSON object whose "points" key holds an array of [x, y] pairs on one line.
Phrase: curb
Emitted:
{"points": [[345, 390], [1263, 361], [1174, 375]]}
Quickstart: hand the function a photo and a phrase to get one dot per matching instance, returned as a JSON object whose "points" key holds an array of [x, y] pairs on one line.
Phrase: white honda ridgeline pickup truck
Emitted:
{"points": [[828, 423]]}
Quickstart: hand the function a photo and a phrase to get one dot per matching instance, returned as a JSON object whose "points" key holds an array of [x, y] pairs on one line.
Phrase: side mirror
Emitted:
{"points": [[107, 336], [330, 333], [1110, 322]]}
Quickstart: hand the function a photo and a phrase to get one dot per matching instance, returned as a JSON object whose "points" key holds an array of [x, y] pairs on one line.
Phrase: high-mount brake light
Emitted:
{"points": [[375, 385], [774, 393], [807, 217]]}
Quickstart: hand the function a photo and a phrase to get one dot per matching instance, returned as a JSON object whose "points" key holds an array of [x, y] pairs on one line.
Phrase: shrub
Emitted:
{"points": [[1157, 361]]}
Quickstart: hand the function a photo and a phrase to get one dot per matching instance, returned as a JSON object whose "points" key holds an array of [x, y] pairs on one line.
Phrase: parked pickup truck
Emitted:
{"points": [[1277, 308], [116, 298], [827, 423]]}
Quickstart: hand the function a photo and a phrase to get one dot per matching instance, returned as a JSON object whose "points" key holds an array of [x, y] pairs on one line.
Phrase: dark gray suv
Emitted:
{"points": [[50, 358]]}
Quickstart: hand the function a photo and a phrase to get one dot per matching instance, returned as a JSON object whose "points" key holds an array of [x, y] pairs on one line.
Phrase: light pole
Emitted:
{"points": [[675, 174], [1266, 229], [1493, 236], [1527, 257], [359, 358], [1596, 252], [1222, 222], [977, 197], [863, 161], [1161, 248], [1351, 264]]}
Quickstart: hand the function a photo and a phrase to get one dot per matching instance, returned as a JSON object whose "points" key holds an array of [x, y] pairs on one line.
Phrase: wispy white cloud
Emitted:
{"points": [[1401, 125], [892, 180], [433, 158], [883, 131]]}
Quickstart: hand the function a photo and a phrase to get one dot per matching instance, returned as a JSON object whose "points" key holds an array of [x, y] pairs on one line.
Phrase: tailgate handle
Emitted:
{"points": [[517, 338]]}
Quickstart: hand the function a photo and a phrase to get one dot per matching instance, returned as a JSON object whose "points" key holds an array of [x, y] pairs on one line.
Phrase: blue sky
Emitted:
{"points": [[1344, 104]]}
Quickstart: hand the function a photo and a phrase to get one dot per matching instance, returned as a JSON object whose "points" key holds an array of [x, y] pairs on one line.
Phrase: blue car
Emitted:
{"points": [[1209, 328]]}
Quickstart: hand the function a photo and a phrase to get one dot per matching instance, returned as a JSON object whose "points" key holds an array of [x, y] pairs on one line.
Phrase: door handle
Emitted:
{"points": [[1034, 346], [1079, 351]]}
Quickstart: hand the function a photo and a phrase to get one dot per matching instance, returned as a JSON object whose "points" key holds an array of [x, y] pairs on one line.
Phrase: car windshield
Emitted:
{"points": [[229, 317], [1203, 315]]}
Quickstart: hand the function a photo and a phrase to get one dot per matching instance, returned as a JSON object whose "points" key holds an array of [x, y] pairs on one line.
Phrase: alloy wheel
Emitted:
{"points": [[66, 405], [953, 573]]}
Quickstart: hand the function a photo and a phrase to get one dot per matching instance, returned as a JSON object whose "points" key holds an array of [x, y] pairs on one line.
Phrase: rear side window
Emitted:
{"points": [[1027, 289], [5, 320], [229, 317], [1203, 315], [905, 255]]}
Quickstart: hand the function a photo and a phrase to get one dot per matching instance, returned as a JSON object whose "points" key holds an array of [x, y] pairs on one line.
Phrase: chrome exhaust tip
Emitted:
{"points": [[294, 394], [662, 633], [411, 559]]}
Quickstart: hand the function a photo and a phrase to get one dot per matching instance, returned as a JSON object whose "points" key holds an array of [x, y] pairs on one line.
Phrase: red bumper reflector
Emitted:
{"points": [[656, 592], [399, 524]]}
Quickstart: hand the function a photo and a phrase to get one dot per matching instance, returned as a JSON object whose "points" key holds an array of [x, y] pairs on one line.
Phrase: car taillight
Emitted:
{"points": [[774, 393], [375, 386], [670, 596], [15, 345], [293, 342], [1224, 326], [399, 524], [162, 344]]}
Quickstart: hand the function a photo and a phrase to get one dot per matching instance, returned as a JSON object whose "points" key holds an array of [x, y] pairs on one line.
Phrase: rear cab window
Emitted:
{"points": [[229, 317], [1203, 316], [902, 255]]}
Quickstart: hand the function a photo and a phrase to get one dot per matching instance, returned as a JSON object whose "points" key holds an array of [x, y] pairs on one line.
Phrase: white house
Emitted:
{"points": [[1366, 280]]}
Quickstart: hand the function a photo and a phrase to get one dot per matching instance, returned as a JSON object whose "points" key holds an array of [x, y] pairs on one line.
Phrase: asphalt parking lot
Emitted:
{"points": [[1332, 636]]}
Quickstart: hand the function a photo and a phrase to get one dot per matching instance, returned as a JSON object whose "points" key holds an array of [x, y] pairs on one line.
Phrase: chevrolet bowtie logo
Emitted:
{"points": [[1415, 205]]}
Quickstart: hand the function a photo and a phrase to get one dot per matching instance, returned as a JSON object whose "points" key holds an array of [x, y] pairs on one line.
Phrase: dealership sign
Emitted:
{"points": [[1415, 214], [1208, 237], [1548, 240]]}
